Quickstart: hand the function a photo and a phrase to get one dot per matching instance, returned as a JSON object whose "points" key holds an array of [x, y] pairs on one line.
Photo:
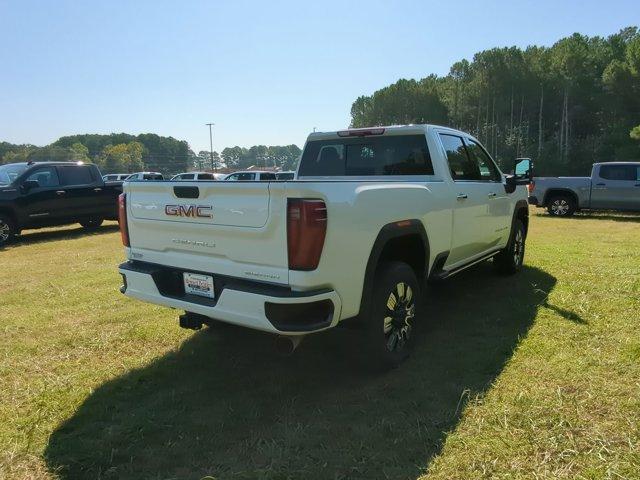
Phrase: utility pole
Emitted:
{"points": [[215, 168]]}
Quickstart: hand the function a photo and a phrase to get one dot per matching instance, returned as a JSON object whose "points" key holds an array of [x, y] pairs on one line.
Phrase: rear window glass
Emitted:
{"points": [[75, 175], [367, 156]]}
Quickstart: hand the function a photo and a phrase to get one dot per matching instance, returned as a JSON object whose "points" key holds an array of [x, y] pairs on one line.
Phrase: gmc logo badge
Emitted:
{"points": [[193, 211]]}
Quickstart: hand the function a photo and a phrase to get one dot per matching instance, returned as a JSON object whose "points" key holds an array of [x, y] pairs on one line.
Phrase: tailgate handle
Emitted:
{"points": [[186, 192]]}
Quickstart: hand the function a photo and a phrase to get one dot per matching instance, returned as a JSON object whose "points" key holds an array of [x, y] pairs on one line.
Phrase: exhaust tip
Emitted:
{"points": [[285, 346]]}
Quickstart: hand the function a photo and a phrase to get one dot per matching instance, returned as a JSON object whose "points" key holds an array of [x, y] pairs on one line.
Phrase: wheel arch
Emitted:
{"points": [[12, 215], [521, 212], [559, 191], [405, 241]]}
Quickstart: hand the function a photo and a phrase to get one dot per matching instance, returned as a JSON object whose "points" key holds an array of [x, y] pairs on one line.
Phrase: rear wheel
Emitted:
{"points": [[510, 259], [390, 329], [7, 230], [561, 206], [92, 223]]}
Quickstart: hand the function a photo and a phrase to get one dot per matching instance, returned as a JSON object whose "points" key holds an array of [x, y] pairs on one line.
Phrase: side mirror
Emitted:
{"points": [[523, 170], [522, 175], [29, 185]]}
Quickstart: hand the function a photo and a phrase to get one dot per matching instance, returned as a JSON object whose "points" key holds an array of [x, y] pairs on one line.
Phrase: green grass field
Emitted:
{"points": [[532, 376]]}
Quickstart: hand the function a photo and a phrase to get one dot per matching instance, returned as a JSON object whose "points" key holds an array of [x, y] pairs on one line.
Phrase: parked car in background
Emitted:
{"points": [[372, 216], [145, 176], [194, 176], [285, 175], [250, 176], [46, 194], [115, 177], [611, 186]]}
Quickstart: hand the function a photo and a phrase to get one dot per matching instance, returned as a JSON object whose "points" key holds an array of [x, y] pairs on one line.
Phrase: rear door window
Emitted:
{"points": [[75, 175], [367, 156], [267, 176], [619, 172]]}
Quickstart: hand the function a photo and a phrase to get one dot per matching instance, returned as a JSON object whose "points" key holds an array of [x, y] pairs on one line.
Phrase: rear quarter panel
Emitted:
{"points": [[356, 213]]}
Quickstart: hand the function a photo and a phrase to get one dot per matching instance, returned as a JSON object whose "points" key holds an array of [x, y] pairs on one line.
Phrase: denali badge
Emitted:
{"points": [[193, 243], [195, 211]]}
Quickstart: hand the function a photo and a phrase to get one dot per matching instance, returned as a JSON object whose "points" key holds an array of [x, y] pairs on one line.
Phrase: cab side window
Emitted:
{"points": [[488, 170], [460, 165], [45, 177], [76, 175], [629, 173]]}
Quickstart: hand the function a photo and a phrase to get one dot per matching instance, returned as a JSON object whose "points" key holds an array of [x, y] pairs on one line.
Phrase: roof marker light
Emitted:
{"points": [[361, 132]]}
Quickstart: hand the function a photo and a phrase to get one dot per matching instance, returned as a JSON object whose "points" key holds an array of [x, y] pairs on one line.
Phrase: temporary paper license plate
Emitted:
{"points": [[197, 284]]}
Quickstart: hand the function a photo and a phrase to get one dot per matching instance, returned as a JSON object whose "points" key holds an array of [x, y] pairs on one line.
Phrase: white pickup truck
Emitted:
{"points": [[373, 215]]}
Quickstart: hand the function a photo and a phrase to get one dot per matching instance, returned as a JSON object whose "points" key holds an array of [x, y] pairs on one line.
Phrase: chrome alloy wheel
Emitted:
{"points": [[518, 247], [399, 315], [560, 207], [5, 230]]}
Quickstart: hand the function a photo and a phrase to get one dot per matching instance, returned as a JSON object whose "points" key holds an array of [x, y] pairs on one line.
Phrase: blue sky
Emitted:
{"points": [[264, 72]]}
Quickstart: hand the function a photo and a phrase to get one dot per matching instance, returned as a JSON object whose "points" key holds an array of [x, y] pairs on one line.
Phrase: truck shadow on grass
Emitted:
{"points": [[48, 235], [224, 405], [632, 217]]}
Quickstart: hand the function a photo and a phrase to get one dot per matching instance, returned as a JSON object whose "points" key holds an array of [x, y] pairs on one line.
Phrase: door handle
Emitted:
{"points": [[98, 189], [462, 196], [492, 194], [601, 184], [60, 192]]}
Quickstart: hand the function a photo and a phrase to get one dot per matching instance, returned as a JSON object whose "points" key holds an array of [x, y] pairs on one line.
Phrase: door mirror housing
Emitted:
{"points": [[523, 170], [522, 175], [28, 185]]}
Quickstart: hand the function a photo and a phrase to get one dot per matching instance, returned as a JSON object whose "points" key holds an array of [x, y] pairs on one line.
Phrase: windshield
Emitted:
{"points": [[8, 173]]}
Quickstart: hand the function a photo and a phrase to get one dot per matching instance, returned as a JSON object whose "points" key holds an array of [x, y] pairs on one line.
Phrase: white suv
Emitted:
{"points": [[250, 176]]}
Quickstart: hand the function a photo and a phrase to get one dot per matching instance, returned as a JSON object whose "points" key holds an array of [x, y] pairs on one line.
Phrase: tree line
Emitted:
{"points": [[260, 156], [566, 106], [113, 153], [125, 153]]}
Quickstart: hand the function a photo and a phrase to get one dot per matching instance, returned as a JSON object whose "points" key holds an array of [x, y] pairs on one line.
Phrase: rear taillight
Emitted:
{"points": [[306, 228], [531, 186], [122, 219]]}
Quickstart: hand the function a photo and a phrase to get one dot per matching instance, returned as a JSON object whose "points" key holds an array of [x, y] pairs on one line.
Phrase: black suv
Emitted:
{"points": [[46, 194]]}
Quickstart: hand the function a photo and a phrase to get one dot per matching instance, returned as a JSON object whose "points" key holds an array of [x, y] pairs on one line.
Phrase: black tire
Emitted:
{"points": [[561, 205], [91, 223], [510, 259], [390, 330], [8, 230]]}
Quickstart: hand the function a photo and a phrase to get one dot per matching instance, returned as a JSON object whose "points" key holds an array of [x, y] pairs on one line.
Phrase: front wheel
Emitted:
{"points": [[7, 230], [510, 259], [91, 223], [390, 329]]}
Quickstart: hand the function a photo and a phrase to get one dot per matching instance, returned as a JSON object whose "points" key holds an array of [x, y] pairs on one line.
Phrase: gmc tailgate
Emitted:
{"points": [[228, 228]]}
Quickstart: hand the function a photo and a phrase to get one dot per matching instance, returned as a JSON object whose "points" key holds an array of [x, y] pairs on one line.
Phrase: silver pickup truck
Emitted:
{"points": [[612, 186]]}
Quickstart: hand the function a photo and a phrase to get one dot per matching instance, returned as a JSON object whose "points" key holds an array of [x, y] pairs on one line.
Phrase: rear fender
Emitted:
{"points": [[390, 232]]}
